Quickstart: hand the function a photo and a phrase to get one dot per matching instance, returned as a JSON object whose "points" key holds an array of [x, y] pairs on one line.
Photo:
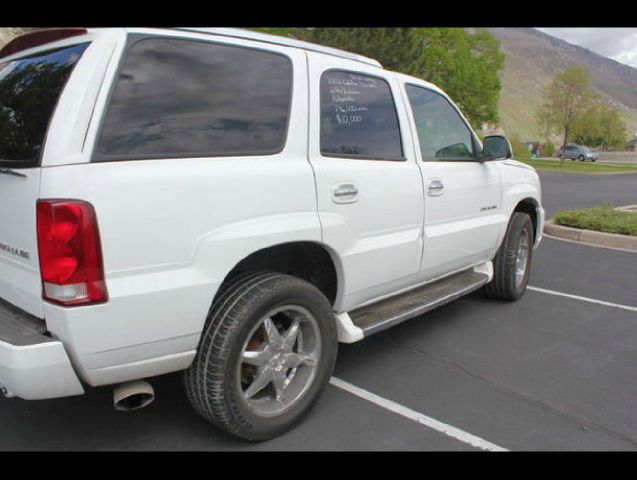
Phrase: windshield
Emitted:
{"points": [[29, 91]]}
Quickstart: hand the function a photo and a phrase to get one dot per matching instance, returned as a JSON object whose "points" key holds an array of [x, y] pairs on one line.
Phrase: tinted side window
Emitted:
{"points": [[182, 98], [29, 91], [358, 117], [442, 133]]}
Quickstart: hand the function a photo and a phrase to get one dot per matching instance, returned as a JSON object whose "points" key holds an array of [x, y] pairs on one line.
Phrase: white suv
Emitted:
{"points": [[233, 205]]}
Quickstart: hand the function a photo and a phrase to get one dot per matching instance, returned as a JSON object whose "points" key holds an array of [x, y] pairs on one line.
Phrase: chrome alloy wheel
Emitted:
{"points": [[521, 260], [278, 361]]}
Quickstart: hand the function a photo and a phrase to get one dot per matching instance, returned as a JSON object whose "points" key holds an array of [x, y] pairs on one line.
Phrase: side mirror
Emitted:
{"points": [[496, 147]]}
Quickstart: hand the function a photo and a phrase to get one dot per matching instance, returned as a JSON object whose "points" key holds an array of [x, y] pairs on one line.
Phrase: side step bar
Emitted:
{"points": [[386, 313]]}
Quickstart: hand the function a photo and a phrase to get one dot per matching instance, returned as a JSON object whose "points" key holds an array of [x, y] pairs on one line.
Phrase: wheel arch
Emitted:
{"points": [[311, 261], [529, 206], [525, 198]]}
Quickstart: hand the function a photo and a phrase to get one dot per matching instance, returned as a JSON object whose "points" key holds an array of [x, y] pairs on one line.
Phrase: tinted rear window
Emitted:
{"points": [[181, 98], [29, 90]]}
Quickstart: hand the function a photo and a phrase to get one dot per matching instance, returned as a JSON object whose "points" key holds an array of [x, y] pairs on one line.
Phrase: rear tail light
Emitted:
{"points": [[70, 253]]}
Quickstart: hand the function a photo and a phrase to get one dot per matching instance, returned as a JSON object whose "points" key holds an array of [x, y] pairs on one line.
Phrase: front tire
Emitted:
{"points": [[512, 263], [267, 351]]}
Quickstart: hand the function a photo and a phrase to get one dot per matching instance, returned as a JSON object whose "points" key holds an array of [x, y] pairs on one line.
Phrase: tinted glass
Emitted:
{"points": [[358, 117], [29, 91], [181, 98], [442, 133]]}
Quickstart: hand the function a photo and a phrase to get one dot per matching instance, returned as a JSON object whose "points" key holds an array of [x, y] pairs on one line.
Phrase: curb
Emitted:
{"points": [[610, 240]]}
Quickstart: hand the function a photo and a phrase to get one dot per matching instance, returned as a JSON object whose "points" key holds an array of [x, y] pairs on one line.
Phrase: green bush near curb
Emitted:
{"points": [[601, 219]]}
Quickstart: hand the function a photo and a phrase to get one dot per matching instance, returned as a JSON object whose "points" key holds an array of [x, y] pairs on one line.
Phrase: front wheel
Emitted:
{"points": [[267, 352], [512, 263]]}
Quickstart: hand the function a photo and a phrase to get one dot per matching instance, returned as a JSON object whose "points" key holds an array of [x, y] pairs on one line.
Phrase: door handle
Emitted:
{"points": [[435, 188], [344, 193]]}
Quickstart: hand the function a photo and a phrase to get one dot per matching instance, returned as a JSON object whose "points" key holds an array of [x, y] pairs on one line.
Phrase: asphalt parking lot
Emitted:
{"points": [[553, 371]]}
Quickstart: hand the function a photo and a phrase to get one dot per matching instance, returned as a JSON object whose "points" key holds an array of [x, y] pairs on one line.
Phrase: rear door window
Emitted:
{"points": [[29, 91], [358, 117], [177, 98]]}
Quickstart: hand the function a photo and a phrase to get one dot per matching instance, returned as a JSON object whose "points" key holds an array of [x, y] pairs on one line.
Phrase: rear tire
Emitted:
{"points": [[509, 281], [259, 327]]}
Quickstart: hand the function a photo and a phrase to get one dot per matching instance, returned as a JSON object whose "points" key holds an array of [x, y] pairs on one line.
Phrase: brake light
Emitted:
{"points": [[70, 253]]}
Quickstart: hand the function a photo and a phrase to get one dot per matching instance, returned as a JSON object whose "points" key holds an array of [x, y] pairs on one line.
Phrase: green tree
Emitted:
{"points": [[602, 126], [520, 151], [549, 149], [396, 48], [466, 66], [565, 100], [463, 63], [614, 131], [282, 31]]}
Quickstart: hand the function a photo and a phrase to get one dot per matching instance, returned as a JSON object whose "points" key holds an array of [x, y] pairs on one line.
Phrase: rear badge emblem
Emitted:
{"points": [[15, 251]]}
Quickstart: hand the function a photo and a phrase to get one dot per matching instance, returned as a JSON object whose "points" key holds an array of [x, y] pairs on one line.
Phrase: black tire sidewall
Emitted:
{"points": [[503, 285]]}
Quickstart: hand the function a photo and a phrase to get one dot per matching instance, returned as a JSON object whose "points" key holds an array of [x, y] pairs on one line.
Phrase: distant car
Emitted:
{"points": [[578, 152]]}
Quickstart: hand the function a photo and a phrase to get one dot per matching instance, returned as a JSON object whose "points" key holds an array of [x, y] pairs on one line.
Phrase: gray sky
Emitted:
{"points": [[617, 43]]}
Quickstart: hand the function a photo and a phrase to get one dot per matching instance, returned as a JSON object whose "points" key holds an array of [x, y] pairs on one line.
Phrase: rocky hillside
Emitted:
{"points": [[6, 34], [533, 60]]}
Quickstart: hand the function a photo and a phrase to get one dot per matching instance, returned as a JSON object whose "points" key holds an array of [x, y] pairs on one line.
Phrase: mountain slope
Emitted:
{"points": [[6, 34], [533, 60]]}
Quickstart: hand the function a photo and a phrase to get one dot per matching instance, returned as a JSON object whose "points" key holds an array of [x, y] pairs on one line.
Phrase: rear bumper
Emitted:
{"points": [[32, 365]]}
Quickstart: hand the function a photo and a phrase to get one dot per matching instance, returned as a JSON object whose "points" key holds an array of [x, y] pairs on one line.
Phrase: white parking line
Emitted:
{"points": [[583, 299], [417, 417]]}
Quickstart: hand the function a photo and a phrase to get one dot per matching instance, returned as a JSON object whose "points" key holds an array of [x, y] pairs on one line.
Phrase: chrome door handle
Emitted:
{"points": [[435, 188], [345, 190], [344, 193]]}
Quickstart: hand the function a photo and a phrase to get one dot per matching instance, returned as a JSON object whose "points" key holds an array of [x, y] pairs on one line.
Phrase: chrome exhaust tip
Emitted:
{"points": [[133, 395]]}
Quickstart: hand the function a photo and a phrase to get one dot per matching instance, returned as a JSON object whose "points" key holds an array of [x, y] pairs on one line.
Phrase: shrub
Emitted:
{"points": [[549, 149], [520, 151], [602, 219]]}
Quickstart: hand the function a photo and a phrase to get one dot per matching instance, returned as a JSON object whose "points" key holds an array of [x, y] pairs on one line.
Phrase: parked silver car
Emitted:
{"points": [[578, 152]]}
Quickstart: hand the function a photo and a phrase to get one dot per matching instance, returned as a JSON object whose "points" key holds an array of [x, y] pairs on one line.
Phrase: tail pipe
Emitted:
{"points": [[133, 395]]}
